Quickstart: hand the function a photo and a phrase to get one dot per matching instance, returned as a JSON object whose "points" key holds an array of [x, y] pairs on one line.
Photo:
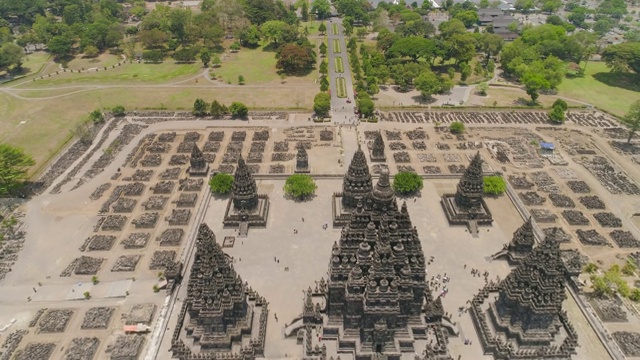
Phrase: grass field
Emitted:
{"points": [[337, 49], [339, 64], [341, 86], [613, 92], [133, 73], [98, 62], [507, 96], [334, 28]]}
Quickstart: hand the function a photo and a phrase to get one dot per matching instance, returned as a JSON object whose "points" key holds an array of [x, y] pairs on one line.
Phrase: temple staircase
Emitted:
{"points": [[243, 229]]}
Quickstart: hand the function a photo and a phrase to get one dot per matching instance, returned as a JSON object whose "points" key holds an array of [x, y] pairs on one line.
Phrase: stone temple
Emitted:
{"points": [[219, 310], [198, 165], [246, 208], [302, 161], [356, 186], [525, 320], [377, 148], [376, 299], [466, 206], [520, 246]]}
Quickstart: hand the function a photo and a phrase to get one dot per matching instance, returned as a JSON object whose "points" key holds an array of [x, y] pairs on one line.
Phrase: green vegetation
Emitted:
{"points": [[118, 110], [334, 29], [14, 167], [322, 104], [200, 107], [96, 116], [590, 268], [238, 109], [221, 183], [456, 127], [341, 86], [94, 280], [632, 120], [611, 282], [339, 64], [87, 295], [494, 185], [365, 104], [300, 186], [556, 115], [407, 182], [337, 48]]}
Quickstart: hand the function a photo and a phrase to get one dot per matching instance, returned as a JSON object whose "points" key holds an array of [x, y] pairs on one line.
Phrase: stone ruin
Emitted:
{"points": [[276, 169], [261, 135], [391, 135], [326, 135], [520, 245], [397, 145], [98, 243], [161, 258], [163, 187], [170, 174], [575, 218], [126, 347], [558, 234], [99, 191], [151, 160], [114, 223], [531, 198], [378, 168], [140, 175], [629, 342], [55, 321], [609, 309], [376, 149], [591, 238], [82, 348], [192, 136], [281, 146], [159, 148], [401, 157], [560, 200], [419, 145], [406, 168], [245, 208], [607, 219], [211, 147], [97, 318], [179, 159], [609, 175], [140, 314], [167, 137], [187, 200], [216, 136], [592, 202], [40, 351], [579, 187], [302, 161], [190, 184], [238, 136], [198, 164], [543, 216], [171, 237], [84, 265], [155, 202], [146, 221], [133, 189], [124, 205], [624, 239], [520, 182], [126, 263], [185, 147], [429, 169], [136, 240]]}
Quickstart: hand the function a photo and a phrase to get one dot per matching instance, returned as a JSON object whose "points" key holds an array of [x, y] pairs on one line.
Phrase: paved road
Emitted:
{"points": [[341, 111]]}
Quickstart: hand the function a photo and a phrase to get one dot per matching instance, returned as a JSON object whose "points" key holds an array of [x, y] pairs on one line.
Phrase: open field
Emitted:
{"points": [[78, 63], [602, 88], [508, 96], [133, 73], [258, 66]]}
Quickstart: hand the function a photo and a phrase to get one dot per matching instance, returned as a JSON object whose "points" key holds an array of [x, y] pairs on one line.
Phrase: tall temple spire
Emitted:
{"points": [[520, 246], [357, 181], [245, 191], [197, 164], [302, 160], [383, 194], [471, 186], [377, 148]]}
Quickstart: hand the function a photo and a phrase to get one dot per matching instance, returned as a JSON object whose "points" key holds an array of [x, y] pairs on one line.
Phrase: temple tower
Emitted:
{"points": [[302, 160], [357, 180], [244, 189], [377, 148], [470, 189], [520, 246], [198, 165]]}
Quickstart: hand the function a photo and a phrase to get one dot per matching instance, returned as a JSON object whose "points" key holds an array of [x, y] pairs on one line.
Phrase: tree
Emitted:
{"points": [[118, 111], [322, 28], [238, 109], [96, 116], [304, 11], [14, 164], [216, 108], [300, 186], [494, 185], [407, 182], [632, 120], [322, 104], [365, 104], [221, 183], [199, 107], [600, 286], [153, 56], [623, 57], [321, 8], [465, 72], [428, 83], [560, 103], [274, 30], [240, 80], [556, 115], [456, 127], [249, 36], [590, 268], [215, 61], [60, 46], [324, 68], [295, 59], [323, 49], [11, 55], [205, 57], [91, 51], [468, 17], [533, 83], [324, 83], [482, 88]]}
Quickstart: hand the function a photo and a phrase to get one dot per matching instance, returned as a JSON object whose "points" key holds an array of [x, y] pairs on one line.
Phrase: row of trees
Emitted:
{"points": [[202, 108]]}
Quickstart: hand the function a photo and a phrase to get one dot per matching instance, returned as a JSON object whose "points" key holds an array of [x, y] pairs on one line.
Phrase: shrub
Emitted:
{"points": [[494, 185], [96, 116], [407, 182], [200, 107], [561, 103], [321, 104], [556, 115], [118, 110], [221, 183], [238, 109], [154, 56], [94, 280], [456, 127], [300, 186], [590, 268], [87, 295]]}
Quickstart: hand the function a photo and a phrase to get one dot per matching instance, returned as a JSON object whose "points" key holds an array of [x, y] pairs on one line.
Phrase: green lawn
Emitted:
{"points": [[339, 65], [334, 28], [337, 49], [341, 86], [609, 91], [98, 62], [133, 73]]}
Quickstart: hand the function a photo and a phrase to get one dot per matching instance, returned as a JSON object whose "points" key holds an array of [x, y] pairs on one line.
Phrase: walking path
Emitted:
{"points": [[342, 112]]}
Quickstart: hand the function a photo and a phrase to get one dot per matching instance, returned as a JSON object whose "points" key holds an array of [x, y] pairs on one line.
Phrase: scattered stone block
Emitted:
{"points": [[187, 200], [126, 263], [142, 175], [452, 158], [393, 135], [141, 314], [171, 237], [560, 200], [114, 223], [531, 198], [607, 219], [82, 348], [124, 205], [99, 191], [133, 189], [136, 240], [155, 203], [624, 239], [261, 135], [190, 184], [592, 238], [575, 217], [280, 156], [417, 134], [159, 148], [55, 321], [281, 146], [151, 160], [226, 169], [192, 136], [164, 187], [456, 169], [211, 147], [406, 168], [97, 318], [161, 258], [40, 351], [429, 169], [276, 169], [167, 137], [326, 135], [179, 159], [592, 202], [100, 243], [419, 145], [179, 217], [397, 145], [579, 187], [171, 174], [185, 147], [402, 157], [216, 136], [146, 221], [520, 182], [543, 216], [238, 136], [126, 347], [559, 233], [427, 158], [609, 309], [629, 342]]}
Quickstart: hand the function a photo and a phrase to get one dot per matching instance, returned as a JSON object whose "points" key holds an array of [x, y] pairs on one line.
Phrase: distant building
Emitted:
{"points": [[499, 20]]}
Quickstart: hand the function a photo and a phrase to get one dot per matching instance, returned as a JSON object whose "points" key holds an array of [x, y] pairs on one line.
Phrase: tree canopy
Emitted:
{"points": [[295, 59], [322, 104], [14, 167], [632, 119], [494, 185], [623, 57], [221, 183], [407, 182], [238, 109], [300, 186]]}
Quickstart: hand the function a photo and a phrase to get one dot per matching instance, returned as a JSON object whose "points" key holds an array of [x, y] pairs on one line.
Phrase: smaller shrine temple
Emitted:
{"points": [[302, 161], [356, 186], [198, 165], [520, 246], [246, 208], [522, 316], [220, 315], [376, 151], [467, 206]]}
